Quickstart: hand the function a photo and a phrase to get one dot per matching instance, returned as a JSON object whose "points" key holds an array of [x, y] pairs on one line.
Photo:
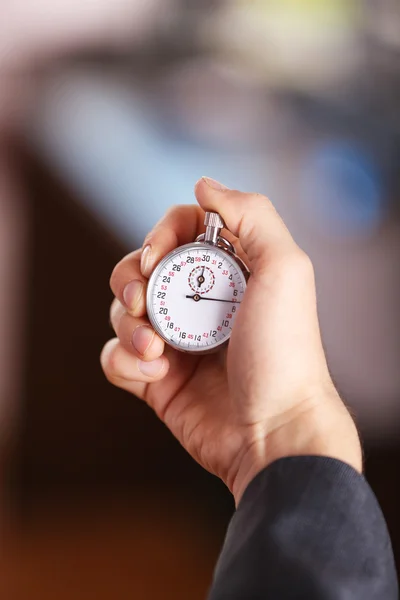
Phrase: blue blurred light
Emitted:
{"points": [[105, 142], [342, 188]]}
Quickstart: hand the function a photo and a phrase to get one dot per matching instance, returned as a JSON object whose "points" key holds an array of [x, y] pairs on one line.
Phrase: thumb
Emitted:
{"points": [[252, 218]]}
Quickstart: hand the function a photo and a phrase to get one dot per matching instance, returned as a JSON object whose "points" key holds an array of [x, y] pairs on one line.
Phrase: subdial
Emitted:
{"points": [[201, 279]]}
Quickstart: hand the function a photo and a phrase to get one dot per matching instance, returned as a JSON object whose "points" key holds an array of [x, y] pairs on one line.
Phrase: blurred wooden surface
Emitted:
{"points": [[112, 551]]}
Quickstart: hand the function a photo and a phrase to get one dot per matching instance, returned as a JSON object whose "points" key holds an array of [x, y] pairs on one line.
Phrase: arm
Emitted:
{"points": [[307, 527], [242, 413]]}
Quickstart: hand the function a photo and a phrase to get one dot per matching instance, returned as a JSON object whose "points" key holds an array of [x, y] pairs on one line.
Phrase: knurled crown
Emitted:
{"points": [[213, 219]]}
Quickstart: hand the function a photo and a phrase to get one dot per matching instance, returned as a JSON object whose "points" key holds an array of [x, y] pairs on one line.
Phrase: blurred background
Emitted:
{"points": [[109, 113]]}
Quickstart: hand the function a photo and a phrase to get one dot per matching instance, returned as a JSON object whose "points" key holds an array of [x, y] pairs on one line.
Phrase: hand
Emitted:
{"points": [[268, 395]]}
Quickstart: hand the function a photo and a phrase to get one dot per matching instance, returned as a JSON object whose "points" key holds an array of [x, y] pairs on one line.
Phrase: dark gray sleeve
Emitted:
{"points": [[307, 528]]}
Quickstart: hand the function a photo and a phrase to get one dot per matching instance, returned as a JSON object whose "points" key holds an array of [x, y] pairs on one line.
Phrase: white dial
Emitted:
{"points": [[194, 295]]}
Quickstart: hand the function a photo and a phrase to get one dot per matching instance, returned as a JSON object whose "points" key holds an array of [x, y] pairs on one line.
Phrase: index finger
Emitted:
{"points": [[180, 225]]}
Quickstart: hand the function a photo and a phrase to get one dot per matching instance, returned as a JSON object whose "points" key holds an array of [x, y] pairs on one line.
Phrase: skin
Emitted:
{"points": [[267, 395]]}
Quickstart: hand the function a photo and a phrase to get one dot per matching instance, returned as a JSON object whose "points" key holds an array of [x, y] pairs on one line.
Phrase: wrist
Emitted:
{"points": [[320, 428]]}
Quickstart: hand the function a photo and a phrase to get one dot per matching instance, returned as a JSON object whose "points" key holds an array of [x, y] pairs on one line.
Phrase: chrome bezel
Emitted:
{"points": [[153, 277]]}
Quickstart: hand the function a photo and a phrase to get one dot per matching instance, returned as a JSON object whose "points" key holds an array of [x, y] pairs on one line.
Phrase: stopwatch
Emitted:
{"points": [[195, 291]]}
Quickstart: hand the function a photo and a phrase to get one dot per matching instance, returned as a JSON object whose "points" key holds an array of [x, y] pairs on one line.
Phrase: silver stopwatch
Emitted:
{"points": [[195, 292]]}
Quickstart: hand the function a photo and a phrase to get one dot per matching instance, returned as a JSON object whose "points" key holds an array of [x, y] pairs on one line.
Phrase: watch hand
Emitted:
{"points": [[197, 297], [200, 278]]}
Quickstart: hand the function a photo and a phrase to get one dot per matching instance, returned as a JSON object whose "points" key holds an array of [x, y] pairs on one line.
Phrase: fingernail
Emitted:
{"points": [[132, 293], [215, 185], [152, 368], [145, 260], [142, 338]]}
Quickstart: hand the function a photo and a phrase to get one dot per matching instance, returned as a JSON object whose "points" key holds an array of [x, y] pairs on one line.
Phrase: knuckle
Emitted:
{"points": [[110, 378], [255, 208], [114, 313], [147, 240], [250, 203], [304, 262], [109, 361], [114, 278], [172, 210], [124, 270], [257, 200], [262, 199], [299, 263]]}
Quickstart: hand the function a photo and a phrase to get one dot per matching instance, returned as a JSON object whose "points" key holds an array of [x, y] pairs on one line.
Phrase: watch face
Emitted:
{"points": [[194, 295]]}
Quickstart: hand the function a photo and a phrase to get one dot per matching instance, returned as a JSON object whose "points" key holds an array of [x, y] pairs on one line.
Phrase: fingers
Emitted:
{"points": [[135, 334], [129, 285], [250, 217], [129, 372], [180, 225], [128, 281]]}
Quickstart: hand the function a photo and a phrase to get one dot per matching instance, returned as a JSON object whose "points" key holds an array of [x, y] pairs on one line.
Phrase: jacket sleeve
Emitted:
{"points": [[307, 527]]}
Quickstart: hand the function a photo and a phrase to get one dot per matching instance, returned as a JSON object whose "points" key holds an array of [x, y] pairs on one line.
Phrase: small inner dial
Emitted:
{"points": [[201, 279]]}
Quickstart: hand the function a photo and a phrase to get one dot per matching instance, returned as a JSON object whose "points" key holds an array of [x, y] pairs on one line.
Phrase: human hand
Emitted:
{"points": [[266, 396]]}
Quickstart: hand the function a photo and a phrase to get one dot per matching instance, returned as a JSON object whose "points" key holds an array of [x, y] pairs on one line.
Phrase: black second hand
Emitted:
{"points": [[213, 299]]}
